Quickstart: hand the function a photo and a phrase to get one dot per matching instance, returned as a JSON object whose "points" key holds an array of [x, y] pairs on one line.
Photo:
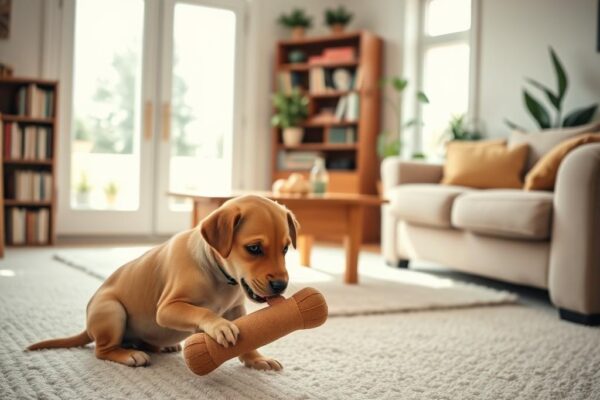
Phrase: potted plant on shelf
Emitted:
{"points": [[337, 19], [110, 191], [83, 190], [297, 21], [290, 112]]}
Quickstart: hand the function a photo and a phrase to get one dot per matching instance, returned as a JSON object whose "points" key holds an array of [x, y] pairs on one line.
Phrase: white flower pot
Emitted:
{"points": [[292, 136], [83, 199]]}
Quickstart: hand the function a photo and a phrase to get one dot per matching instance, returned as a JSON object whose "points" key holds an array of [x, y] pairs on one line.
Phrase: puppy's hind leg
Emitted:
{"points": [[106, 325]]}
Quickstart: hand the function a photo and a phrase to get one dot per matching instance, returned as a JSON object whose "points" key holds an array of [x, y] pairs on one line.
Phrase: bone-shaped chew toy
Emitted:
{"points": [[305, 309]]}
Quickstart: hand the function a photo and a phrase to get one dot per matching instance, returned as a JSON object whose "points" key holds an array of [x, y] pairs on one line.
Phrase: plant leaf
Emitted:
{"points": [[537, 110], [580, 116], [422, 97], [513, 126], [551, 96], [399, 84], [561, 75]]}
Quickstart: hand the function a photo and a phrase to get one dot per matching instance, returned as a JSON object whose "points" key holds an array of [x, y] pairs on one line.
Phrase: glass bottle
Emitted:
{"points": [[319, 178]]}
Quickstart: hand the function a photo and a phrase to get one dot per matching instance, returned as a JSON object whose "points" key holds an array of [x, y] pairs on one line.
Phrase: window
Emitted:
{"points": [[445, 73]]}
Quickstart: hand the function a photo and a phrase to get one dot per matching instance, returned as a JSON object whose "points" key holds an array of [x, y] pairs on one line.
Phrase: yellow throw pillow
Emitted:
{"points": [[543, 174], [485, 165]]}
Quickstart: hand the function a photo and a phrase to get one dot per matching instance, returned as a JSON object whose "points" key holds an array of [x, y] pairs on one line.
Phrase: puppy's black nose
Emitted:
{"points": [[278, 286]]}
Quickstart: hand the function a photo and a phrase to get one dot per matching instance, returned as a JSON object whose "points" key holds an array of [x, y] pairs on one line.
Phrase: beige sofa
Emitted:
{"points": [[541, 239]]}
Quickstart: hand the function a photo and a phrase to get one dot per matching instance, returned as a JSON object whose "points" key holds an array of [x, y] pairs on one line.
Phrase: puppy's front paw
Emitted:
{"points": [[223, 332], [262, 363]]}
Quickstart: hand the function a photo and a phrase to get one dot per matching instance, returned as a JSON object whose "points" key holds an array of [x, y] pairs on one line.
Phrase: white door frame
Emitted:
{"points": [[166, 221], [156, 57]]}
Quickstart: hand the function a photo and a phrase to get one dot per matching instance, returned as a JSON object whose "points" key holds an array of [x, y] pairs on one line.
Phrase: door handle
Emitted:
{"points": [[148, 120], [166, 121]]}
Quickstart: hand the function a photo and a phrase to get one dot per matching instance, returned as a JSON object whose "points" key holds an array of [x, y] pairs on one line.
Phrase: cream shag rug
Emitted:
{"points": [[503, 352], [381, 290]]}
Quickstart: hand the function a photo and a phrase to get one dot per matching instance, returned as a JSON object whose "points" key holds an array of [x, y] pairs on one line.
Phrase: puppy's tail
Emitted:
{"points": [[74, 341]]}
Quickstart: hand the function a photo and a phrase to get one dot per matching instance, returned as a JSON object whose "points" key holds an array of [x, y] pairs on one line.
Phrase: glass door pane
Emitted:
{"points": [[107, 87], [202, 100]]}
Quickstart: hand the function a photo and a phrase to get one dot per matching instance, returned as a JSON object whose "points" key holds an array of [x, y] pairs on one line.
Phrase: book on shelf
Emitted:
{"points": [[27, 226], [297, 160], [348, 108], [28, 185], [323, 80], [334, 55], [288, 81], [27, 142], [342, 135], [35, 101]]}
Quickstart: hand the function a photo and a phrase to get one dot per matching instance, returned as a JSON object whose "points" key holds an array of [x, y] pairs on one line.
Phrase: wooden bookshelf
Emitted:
{"points": [[362, 165], [36, 113]]}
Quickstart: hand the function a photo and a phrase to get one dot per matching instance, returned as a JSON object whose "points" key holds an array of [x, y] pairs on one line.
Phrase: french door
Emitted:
{"points": [[152, 105]]}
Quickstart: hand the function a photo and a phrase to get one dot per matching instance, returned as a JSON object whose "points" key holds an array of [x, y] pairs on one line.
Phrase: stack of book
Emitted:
{"points": [[27, 142], [28, 185], [35, 101], [26, 226], [297, 160], [348, 108], [334, 55]]}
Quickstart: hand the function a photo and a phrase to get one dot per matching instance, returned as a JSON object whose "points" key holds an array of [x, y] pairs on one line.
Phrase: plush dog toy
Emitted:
{"points": [[305, 309]]}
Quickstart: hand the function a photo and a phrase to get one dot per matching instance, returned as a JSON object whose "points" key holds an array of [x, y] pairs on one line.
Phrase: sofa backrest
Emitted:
{"points": [[543, 141]]}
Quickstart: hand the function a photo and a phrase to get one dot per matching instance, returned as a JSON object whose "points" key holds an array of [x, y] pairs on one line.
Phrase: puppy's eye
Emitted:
{"points": [[254, 249], [285, 249]]}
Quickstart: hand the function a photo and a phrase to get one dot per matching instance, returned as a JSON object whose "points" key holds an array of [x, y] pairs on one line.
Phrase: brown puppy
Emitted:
{"points": [[194, 282]]}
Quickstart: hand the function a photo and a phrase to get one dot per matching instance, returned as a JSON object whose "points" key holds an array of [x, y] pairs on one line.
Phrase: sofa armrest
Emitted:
{"points": [[574, 275], [396, 172]]}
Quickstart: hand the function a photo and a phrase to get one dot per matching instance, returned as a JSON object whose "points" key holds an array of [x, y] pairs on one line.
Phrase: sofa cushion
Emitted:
{"points": [[543, 141], [485, 165], [425, 204], [543, 174], [505, 212]]}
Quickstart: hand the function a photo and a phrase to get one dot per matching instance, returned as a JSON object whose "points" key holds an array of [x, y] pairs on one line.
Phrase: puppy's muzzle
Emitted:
{"points": [[277, 286]]}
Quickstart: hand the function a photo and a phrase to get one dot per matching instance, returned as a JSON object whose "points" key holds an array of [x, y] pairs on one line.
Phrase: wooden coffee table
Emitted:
{"points": [[331, 214]]}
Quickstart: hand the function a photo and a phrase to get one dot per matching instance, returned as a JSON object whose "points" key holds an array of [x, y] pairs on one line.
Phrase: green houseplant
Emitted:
{"points": [[297, 21], [110, 191], [555, 98], [389, 142], [83, 189], [459, 129], [337, 19], [291, 110]]}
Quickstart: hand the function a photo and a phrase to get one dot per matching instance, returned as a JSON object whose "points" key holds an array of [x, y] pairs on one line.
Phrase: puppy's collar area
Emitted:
{"points": [[230, 280]]}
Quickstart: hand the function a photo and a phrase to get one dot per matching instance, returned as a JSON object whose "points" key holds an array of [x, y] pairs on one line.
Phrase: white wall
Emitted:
{"points": [[515, 36], [22, 50]]}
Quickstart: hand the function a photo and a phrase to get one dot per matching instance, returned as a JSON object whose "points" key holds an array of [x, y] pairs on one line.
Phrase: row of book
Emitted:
{"points": [[342, 135], [28, 185], [286, 81], [348, 107], [323, 80], [297, 160], [35, 101], [27, 226], [334, 55], [27, 142]]}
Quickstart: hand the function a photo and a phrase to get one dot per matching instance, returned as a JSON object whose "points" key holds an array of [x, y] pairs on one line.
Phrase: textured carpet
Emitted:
{"points": [[381, 289], [503, 352]]}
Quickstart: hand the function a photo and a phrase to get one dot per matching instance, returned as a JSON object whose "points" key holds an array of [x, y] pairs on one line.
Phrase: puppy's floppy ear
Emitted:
{"points": [[293, 226], [218, 228]]}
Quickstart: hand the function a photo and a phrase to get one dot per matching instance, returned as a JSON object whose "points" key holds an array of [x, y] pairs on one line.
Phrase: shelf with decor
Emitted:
{"points": [[29, 129], [339, 75]]}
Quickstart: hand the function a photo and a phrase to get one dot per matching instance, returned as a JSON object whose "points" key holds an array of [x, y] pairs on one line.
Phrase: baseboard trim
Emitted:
{"points": [[578, 318]]}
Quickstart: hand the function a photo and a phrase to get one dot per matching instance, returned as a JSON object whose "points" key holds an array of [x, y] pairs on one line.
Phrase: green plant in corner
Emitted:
{"points": [[290, 110], [83, 186], [458, 130], [389, 143], [337, 18], [540, 113]]}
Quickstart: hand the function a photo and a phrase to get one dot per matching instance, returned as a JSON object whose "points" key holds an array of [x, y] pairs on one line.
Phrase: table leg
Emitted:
{"points": [[352, 243], [304, 243]]}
